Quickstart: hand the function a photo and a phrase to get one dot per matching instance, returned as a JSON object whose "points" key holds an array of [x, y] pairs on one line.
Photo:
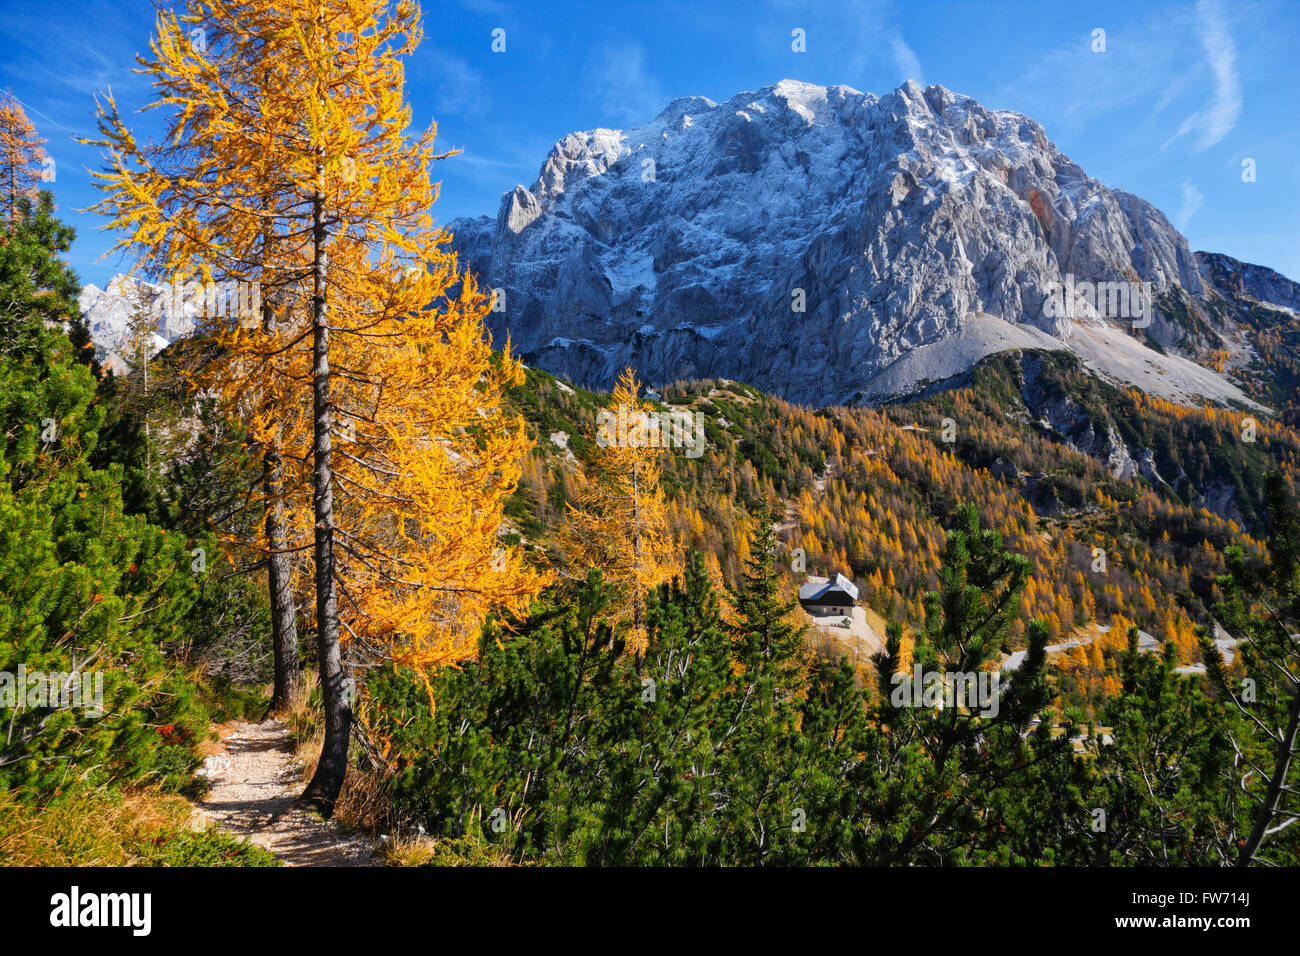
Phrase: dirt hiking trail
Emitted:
{"points": [[254, 781]]}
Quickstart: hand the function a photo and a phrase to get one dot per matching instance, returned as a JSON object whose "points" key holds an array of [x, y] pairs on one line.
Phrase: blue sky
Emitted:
{"points": [[1182, 94]]}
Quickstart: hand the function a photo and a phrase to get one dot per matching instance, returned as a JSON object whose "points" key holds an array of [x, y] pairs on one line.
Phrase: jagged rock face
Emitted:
{"points": [[683, 247], [1234, 280], [108, 313]]}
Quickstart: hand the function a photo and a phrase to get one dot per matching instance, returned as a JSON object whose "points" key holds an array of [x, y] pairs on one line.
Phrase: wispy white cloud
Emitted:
{"points": [[1072, 87], [1211, 124], [1193, 199], [626, 89], [459, 87], [908, 65], [857, 33]]}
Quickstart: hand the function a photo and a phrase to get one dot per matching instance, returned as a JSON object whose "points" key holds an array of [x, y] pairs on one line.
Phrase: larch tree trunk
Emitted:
{"points": [[323, 790], [284, 624]]}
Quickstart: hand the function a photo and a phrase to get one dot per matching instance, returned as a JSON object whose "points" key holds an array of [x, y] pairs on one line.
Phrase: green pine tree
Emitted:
{"points": [[1261, 608]]}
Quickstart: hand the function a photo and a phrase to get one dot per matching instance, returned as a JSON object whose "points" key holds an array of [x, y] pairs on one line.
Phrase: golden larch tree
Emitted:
{"points": [[619, 524], [377, 360], [212, 214], [22, 156]]}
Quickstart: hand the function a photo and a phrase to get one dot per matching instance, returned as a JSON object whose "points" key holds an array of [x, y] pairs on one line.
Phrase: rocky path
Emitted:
{"points": [[254, 781]]}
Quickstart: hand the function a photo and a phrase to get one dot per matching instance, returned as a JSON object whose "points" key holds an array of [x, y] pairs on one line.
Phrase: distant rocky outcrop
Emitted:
{"points": [[108, 313]]}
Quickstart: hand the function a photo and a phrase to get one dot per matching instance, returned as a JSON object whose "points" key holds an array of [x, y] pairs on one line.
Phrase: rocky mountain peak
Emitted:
{"points": [[831, 246]]}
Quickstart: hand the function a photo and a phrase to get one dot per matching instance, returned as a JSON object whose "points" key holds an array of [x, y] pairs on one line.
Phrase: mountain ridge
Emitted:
{"points": [[685, 247]]}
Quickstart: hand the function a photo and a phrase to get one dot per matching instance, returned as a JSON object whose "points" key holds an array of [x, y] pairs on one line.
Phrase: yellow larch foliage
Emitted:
{"points": [[619, 523], [22, 157], [424, 471]]}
